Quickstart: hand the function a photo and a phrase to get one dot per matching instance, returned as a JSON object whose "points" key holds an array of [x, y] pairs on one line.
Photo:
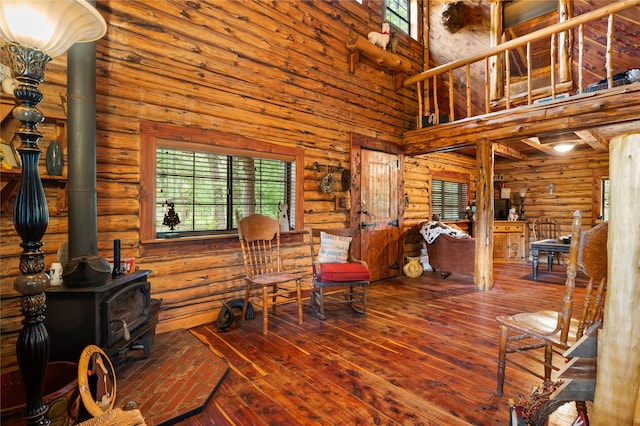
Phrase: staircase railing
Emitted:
{"points": [[429, 79]]}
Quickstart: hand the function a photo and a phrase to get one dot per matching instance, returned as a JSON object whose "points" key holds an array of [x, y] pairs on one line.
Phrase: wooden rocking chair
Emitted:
{"points": [[260, 243], [557, 331], [352, 276]]}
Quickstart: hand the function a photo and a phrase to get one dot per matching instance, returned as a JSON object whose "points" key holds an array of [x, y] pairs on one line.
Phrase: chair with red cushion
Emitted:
{"points": [[341, 280]]}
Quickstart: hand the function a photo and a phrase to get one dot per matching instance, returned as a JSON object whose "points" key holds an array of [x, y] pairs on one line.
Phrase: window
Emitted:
{"points": [[403, 14], [604, 197], [205, 177], [449, 199], [206, 188]]}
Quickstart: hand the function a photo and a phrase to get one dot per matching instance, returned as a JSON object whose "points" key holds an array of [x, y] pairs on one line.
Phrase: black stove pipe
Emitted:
{"points": [[84, 268]]}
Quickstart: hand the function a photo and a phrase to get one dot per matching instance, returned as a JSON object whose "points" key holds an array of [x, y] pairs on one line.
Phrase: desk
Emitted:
{"points": [[551, 247]]}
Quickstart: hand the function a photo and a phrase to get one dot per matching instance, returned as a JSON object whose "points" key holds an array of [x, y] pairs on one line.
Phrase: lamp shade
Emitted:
{"points": [[51, 26]]}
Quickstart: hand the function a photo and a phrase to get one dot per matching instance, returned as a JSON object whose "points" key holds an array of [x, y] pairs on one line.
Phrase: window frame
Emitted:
{"points": [[412, 20], [169, 135]]}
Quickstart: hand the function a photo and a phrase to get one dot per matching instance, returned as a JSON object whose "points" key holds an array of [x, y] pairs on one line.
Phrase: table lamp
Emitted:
{"points": [[523, 195]]}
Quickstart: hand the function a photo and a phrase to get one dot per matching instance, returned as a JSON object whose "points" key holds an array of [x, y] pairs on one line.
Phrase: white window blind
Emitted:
{"points": [[449, 199]]}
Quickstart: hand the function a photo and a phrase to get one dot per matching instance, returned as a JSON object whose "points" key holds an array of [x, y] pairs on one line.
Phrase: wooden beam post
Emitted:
{"points": [[617, 397], [483, 277]]}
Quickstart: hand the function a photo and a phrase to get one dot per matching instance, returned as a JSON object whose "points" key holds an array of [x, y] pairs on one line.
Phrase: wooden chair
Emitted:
{"points": [[353, 276], [557, 331], [546, 228], [260, 243]]}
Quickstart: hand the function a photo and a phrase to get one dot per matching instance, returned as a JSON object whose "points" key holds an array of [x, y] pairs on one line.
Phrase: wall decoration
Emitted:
{"points": [[453, 16], [341, 203], [380, 39], [10, 157]]}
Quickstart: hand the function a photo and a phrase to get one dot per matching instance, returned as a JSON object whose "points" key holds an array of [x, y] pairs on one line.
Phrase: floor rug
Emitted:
{"points": [[175, 382]]}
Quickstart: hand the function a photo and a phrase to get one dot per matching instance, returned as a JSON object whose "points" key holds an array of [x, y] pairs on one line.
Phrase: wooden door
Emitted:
{"points": [[380, 221]]}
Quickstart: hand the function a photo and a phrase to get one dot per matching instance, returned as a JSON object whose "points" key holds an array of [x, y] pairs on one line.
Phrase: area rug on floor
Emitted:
{"points": [[175, 382]]}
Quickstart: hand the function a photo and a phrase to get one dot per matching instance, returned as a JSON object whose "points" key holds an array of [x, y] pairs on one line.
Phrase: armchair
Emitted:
{"points": [[449, 249], [448, 254]]}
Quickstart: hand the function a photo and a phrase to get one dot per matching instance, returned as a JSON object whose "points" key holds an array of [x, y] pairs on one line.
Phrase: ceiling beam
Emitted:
{"points": [[508, 152], [594, 139], [534, 142]]}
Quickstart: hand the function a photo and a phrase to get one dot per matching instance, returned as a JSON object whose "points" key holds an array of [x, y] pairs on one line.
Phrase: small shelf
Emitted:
{"points": [[9, 184], [383, 58]]}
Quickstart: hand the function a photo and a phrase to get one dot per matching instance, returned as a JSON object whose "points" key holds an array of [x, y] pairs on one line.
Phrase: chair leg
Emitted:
{"points": [[246, 302], [274, 298], [548, 357], [265, 310], [320, 301], [364, 299], [299, 291], [581, 408], [502, 359]]}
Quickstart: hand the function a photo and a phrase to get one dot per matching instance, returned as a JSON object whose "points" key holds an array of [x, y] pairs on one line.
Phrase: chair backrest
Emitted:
{"points": [[544, 228], [315, 233], [588, 252], [592, 260], [260, 242]]}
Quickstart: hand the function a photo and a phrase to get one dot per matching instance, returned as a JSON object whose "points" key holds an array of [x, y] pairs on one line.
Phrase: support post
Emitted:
{"points": [[617, 396], [483, 277]]}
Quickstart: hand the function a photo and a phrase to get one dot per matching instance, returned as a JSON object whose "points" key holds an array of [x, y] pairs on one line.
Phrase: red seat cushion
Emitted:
{"points": [[342, 272]]}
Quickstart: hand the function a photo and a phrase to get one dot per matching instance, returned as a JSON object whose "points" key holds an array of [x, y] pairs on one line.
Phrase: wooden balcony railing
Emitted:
{"points": [[427, 81]]}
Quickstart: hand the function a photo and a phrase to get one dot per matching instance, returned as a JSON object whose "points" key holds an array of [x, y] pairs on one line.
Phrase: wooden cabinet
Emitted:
{"points": [[509, 240]]}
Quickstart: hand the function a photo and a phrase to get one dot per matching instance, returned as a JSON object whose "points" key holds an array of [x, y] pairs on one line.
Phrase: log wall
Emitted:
{"points": [[573, 179], [272, 71]]}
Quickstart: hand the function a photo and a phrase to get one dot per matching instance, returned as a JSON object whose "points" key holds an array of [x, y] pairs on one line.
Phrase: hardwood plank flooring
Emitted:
{"points": [[425, 354]]}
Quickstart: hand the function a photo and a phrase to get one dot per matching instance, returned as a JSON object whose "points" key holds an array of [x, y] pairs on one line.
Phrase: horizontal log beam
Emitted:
{"points": [[580, 112]]}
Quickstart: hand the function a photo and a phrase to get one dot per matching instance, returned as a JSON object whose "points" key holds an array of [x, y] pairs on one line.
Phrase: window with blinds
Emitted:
{"points": [[604, 196], [207, 188], [449, 199]]}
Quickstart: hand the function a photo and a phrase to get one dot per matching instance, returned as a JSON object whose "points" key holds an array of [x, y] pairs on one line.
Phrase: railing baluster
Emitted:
{"points": [[468, 75], [436, 107], [580, 57], [609, 64], [486, 85], [507, 64], [451, 106], [529, 83], [420, 106], [553, 66]]}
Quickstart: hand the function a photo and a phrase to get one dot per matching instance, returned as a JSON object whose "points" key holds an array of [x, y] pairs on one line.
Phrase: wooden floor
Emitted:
{"points": [[424, 355]]}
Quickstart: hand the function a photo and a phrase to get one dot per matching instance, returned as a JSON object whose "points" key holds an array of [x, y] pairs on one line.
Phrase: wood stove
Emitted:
{"points": [[116, 316]]}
